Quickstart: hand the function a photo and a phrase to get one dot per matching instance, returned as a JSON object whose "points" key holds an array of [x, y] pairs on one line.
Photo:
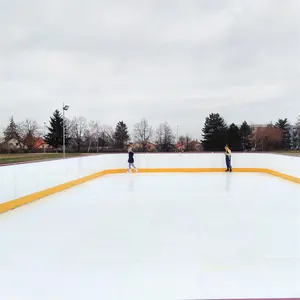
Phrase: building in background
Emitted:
{"points": [[40, 144], [12, 145]]}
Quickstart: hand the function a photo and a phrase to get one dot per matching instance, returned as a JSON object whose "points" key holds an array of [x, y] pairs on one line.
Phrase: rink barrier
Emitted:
{"points": [[6, 206], [10, 205]]}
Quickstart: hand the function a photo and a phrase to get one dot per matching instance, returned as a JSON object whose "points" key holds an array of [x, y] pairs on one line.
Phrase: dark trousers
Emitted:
{"points": [[228, 162]]}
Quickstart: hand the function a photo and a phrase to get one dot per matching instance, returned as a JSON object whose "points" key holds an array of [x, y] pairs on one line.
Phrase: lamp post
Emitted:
{"points": [[65, 108], [177, 134]]}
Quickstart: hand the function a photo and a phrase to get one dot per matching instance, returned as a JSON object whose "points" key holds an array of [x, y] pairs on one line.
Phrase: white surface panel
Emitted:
{"points": [[156, 236]]}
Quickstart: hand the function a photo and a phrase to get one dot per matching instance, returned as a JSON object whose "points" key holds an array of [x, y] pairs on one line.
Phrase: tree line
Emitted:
{"points": [[81, 135], [84, 136], [280, 136]]}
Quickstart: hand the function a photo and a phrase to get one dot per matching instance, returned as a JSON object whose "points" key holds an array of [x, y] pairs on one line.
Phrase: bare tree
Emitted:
{"points": [[28, 133], [186, 142], [296, 134], [90, 134], [77, 129], [143, 133], [267, 138], [97, 132], [181, 139], [97, 136], [165, 138], [103, 137], [106, 138], [29, 126]]}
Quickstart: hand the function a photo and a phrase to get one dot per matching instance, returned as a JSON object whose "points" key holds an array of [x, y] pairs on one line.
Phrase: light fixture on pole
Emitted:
{"points": [[65, 108], [177, 134]]}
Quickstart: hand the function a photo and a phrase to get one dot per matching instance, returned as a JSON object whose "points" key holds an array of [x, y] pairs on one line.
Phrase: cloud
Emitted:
{"points": [[163, 60]]}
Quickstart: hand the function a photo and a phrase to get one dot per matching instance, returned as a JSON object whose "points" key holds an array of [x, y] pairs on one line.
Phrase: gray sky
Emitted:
{"points": [[165, 60]]}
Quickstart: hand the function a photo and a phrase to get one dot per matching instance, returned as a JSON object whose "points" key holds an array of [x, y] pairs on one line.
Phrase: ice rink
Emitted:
{"points": [[156, 236]]}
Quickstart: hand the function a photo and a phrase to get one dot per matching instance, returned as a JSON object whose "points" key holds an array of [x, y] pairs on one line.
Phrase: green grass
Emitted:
{"points": [[32, 157], [289, 152]]}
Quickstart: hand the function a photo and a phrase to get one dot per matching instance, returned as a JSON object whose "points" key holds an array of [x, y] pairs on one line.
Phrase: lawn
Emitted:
{"points": [[290, 152], [32, 157]]}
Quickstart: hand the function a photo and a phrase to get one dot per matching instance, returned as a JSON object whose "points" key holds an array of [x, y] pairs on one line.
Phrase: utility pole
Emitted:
{"points": [[65, 108]]}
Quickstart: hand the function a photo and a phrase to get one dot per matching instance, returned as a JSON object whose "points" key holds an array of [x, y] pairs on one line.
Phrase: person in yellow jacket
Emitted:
{"points": [[228, 159]]}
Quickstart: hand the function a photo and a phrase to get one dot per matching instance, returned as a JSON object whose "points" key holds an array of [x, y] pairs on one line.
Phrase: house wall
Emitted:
{"points": [[21, 180], [12, 144]]}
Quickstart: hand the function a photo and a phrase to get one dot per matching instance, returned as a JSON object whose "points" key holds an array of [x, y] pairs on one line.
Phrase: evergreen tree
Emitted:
{"points": [[55, 135], [121, 135], [12, 131], [214, 133], [245, 134], [284, 125], [234, 138]]}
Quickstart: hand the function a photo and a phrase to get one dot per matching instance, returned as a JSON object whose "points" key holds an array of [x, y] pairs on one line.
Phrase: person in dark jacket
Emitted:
{"points": [[131, 160], [228, 159]]}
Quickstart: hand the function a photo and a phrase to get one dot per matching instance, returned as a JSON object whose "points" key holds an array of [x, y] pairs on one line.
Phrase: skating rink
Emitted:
{"points": [[156, 236]]}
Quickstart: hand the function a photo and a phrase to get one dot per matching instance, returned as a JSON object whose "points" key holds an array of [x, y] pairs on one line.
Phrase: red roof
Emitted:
{"points": [[39, 142], [180, 145]]}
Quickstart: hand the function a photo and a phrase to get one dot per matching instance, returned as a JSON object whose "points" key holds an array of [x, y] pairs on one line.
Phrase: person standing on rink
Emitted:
{"points": [[131, 160], [228, 159]]}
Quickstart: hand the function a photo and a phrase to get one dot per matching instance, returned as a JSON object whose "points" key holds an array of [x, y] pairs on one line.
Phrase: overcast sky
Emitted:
{"points": [[164, 60]]}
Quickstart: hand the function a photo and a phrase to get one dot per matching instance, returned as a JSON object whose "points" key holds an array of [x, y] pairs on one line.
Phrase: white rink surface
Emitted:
{"points": [[156, 236]]}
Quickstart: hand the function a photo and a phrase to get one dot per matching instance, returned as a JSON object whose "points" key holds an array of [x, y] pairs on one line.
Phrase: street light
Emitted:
{"points": [[65, 108], [177, 134]]}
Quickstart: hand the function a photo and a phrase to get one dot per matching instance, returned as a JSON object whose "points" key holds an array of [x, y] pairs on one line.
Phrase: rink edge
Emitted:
{"points": [[6, 206]]}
